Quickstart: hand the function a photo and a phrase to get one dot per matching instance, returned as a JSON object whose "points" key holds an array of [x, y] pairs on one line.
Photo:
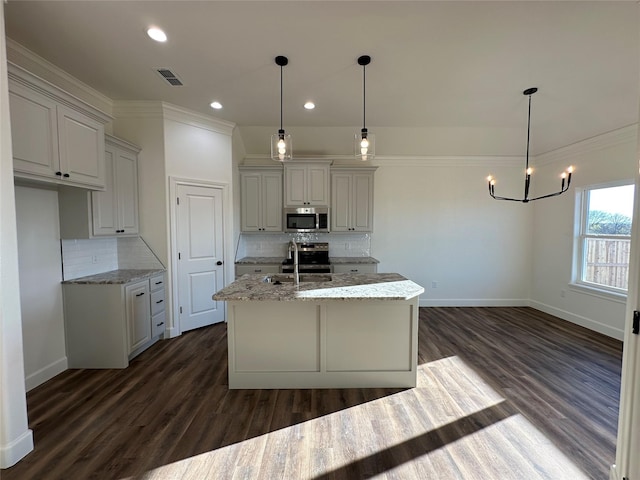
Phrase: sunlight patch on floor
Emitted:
{"points": [[453, 425]]}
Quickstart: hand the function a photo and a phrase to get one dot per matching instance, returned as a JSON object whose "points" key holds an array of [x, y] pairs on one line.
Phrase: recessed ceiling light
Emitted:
{"points": [[309, 105], [157, 34], [216, 105]]}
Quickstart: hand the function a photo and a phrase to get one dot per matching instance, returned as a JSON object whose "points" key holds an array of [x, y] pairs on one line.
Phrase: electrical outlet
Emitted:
{"points": [[94, 259], [434, 284], [562, 293]]}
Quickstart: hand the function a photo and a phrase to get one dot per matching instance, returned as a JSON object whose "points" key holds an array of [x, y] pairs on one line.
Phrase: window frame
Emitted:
{"points": [[580, 240]]}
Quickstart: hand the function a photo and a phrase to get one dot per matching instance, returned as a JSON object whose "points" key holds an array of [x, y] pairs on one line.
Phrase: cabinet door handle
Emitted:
{"points": [[159, 324], [257, 270], [160, 301], [159, 283], [66, 175], [139, 294]]}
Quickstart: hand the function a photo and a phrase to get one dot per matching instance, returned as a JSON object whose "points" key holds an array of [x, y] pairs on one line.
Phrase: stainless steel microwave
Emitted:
{"points": [[306, 219]]}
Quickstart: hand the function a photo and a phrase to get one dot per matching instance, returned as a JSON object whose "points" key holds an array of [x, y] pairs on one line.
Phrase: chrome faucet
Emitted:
{"points": [[293, 247]]}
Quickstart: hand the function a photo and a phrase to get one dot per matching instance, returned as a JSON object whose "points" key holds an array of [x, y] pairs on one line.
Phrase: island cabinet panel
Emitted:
{"points": [[375, 338], [323, 344], [276, 342]]}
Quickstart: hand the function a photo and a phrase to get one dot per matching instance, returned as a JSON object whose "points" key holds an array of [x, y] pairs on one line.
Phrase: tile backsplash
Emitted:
{"points": [[83, 257], [275, 245]]}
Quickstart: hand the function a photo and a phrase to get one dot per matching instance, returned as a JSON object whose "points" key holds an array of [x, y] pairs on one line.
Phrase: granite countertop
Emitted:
{"points": [[343, 286], [116, 277], [278, 260], [259, 260]]}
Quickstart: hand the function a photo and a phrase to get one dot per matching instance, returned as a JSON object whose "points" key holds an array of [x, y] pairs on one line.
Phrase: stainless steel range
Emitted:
{"points": [[312, 258]]}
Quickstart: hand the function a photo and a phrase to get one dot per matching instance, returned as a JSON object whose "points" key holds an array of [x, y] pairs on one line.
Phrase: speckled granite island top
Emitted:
{"points": [[342, 286], [116, 277], [278, 260]]}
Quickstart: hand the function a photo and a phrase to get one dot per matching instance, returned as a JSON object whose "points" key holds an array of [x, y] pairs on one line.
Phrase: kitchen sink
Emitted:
{"points": [[304, 277]]}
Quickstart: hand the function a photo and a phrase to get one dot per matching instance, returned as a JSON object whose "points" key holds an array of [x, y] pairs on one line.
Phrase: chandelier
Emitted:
{"points": [[565, 177]]}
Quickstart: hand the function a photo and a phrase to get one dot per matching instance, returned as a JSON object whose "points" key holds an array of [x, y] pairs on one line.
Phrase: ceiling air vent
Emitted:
{"points": [[169, 76]]}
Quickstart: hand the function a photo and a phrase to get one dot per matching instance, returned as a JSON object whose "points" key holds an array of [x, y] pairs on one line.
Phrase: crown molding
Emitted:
{"points": [[138, 109], [20, 76], [621, 136], [194, 119], [17, 50], [409, 161], [167, 111]]}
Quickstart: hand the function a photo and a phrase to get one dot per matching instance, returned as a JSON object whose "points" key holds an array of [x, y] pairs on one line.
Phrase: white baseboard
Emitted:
{"points": [[613, 474], [46, 373], [171, 333], [15, 451], [589, 323], [473, 302]]}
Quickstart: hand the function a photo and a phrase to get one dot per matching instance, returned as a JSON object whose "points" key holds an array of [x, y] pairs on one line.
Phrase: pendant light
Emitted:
{"points": [[565, 177], [280, 142], [365, 142]]}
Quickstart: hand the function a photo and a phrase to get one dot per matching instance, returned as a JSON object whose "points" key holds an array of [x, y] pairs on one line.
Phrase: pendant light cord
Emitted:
{"points": [[364, 95], [528, 134], [281, 97]]}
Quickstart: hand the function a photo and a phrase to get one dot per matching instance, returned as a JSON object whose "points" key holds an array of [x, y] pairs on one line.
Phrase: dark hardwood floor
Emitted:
{"points": [[503, 393]]}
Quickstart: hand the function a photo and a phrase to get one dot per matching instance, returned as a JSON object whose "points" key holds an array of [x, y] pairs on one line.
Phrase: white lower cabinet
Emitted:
{"points": [[106, 325], [257, 268], [158, 316], [355, 268], [138, 315]]}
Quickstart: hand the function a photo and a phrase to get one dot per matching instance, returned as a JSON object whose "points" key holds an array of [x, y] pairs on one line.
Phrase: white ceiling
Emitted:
{"points": [[445, 77]]}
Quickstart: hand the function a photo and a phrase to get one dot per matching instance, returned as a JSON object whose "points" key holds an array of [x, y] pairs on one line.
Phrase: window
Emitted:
{"points": [[605, 237]]}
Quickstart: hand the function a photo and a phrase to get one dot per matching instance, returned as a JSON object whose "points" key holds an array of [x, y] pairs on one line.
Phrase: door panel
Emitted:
{"points": [[200, 240]]}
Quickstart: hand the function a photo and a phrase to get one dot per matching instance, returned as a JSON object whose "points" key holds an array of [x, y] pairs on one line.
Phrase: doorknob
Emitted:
{"points": [[219, 262]]}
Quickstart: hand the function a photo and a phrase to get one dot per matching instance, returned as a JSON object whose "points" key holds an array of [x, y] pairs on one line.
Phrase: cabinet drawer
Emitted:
{"points": [[355, 268], [264, 268], [158, 324], [157, 302], [157, 282]]}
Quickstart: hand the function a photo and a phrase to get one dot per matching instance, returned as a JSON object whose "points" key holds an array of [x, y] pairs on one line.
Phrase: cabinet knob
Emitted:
{"points": [[66, 175], [59, 174], [218, 262]]}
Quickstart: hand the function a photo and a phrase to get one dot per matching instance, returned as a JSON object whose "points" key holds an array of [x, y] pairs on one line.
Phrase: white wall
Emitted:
{"points": [[40, 284], [434, 221], [606, 158], [16, 439]]}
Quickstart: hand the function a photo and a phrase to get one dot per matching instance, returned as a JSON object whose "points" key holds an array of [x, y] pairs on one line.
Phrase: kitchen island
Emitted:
{"points": [[329, 331]]}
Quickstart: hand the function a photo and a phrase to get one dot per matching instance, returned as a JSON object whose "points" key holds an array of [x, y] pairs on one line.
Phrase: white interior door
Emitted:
{"points": [[200, 240]]}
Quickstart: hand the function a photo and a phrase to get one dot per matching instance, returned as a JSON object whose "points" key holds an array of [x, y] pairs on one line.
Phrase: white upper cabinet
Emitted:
{"points": [[352, 199], [115, 211], [261, 199], [306, 184], [111, 212], [56, 137]]}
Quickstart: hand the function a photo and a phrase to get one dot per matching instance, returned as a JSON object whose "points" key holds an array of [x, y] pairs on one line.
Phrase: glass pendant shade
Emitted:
{"points": [[281, 146], [365, 145]]}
